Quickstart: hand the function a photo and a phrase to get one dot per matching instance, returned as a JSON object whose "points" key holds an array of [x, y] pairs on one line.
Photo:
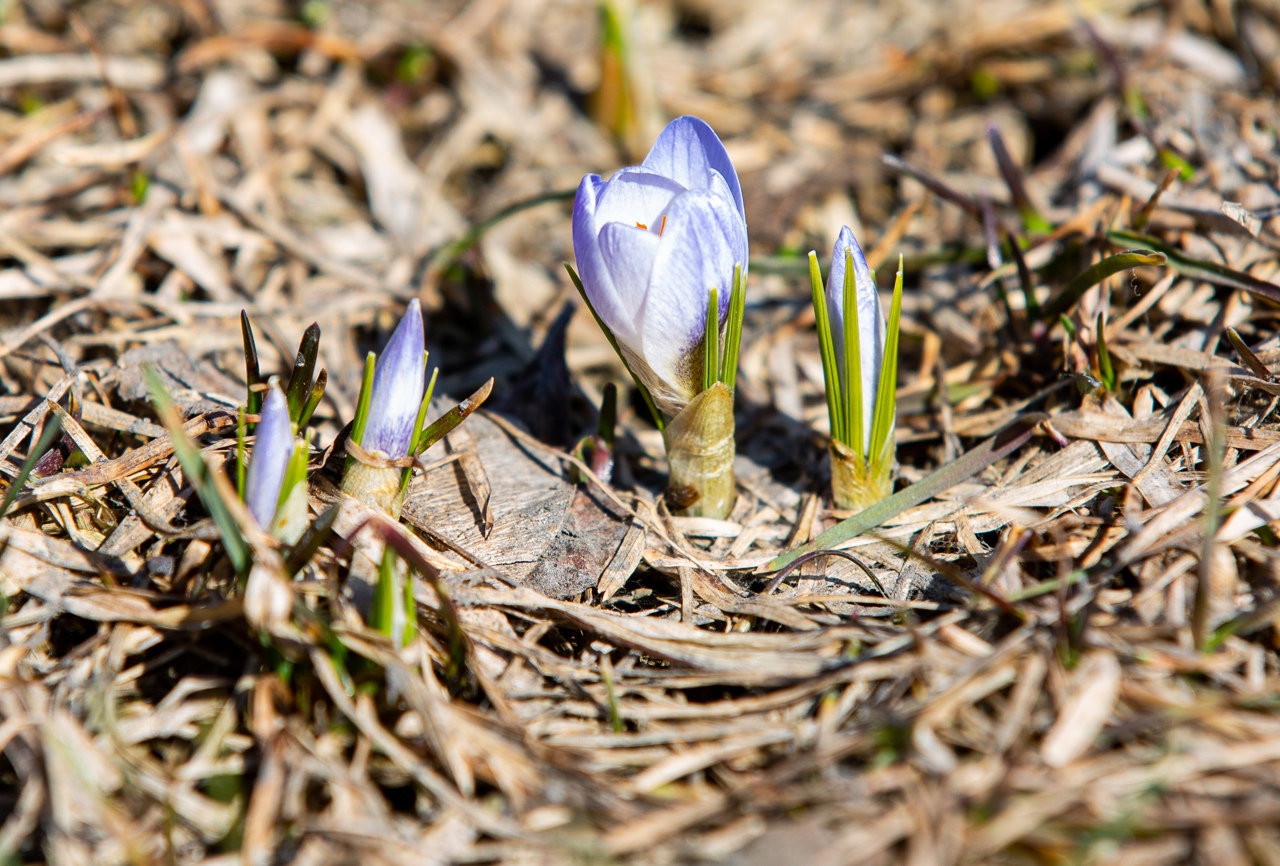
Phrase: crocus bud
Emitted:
{"points": [[859, 355], [397, 388], [276, 486], [869, 322], [269, 459], [392, 418], [652, 243]]}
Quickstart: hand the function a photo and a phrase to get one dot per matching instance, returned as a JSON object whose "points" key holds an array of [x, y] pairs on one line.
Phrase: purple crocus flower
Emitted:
{"points": [[269, 458], [651, 242], [871, 326], [398, 381]]}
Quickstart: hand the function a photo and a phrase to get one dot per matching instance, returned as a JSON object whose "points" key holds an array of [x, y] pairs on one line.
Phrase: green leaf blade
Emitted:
{"points": [[851, 394], [886, 409], [1108, 267], [830, 373]]}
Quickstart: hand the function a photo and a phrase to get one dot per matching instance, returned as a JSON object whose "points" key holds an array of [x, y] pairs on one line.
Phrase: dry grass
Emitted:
{"points": [[1068, 658]]}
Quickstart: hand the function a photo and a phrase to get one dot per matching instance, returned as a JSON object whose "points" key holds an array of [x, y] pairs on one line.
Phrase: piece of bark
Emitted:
{"points": [[548, 534], [588, 540], [529, 501]]}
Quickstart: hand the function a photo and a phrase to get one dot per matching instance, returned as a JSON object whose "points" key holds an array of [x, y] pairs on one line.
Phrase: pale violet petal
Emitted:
{"points": [[272, 448], [629, 253], [871, 324], [593, 272], [687, 151], [397, 388], [718, 186], [635, 198], [835, 293], [704, 239]]}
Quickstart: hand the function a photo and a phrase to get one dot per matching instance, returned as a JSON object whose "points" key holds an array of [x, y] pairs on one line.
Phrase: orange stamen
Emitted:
{"points": [[642, 226], [662, 228]]}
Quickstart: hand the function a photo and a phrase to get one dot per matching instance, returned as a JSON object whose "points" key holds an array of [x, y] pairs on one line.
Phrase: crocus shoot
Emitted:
{"points": [[662, 251], [389, 417], [275, 489], [860, 369]]}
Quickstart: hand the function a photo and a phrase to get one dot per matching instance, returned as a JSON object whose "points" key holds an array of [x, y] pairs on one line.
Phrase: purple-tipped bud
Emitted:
{"points": [[398, 381], [270, 457]]}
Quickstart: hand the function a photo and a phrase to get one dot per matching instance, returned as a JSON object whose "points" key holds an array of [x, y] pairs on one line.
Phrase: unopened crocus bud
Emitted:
{"points": [[398, 380], [269, 459], [869, 321], [658, 246], [392, 419], [276, 486], [859, 355]]}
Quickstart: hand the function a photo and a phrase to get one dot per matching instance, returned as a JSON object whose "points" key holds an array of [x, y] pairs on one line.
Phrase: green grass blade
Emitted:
{"points": [[241, 462], [1200, 269], [421, 417], [830, 373], [711, 342], [1106, 371], [448, 255], [52, 430], [410, 607], [382, 611], [887, 388], [1066, 299], [944, 478], [428, 394], [658, 420], [611, 695], [852, 394], [394, 537]]}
